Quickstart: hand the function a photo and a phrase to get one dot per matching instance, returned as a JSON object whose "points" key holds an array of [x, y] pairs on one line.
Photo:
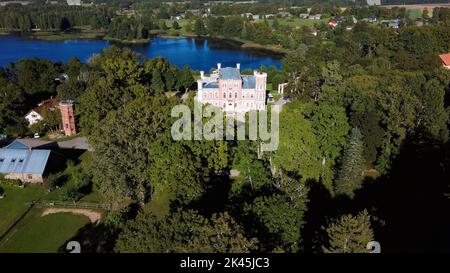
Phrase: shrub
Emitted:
{"points": [[53, 180], [9, 182]]}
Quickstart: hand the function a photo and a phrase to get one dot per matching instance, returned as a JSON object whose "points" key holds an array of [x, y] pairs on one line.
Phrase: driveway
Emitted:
{"points": [[79, 143]]}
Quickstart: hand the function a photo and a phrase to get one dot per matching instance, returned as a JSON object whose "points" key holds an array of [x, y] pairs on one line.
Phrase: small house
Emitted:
{"points": [[333, 24], [315, 16], [35, 114], [303, 15], [445, 58], [284, 14]]}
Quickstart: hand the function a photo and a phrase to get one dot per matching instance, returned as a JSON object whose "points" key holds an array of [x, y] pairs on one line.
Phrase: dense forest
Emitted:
{"points": [[54, 17], [364, 144], [137, 22]]}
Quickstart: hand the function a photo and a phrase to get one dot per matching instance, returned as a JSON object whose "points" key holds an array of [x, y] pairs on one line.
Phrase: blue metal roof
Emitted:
{"points": [[230, 73], [30, 143], [23, 160], [17, 145], [248, 82]]}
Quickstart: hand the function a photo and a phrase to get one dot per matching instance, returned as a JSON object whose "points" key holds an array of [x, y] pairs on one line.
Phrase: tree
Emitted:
{"points": [[151, 234], [175, 25], [425, 13], [157, 82], [185, 78], [298, 151], [281, 218], [12, 100], [70, 90], [183, 231], [434, 116], [52, 181], [38, 127], [122, 146], [98, 100], [76, 186], [330, 126], [350, 175], [185, 177], [221, 234], [350, 234], [52, 118], [65, 24], [199, 27]]}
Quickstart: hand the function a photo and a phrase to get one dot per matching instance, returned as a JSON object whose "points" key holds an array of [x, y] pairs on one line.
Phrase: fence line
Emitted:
{"points": [[83, 205]]}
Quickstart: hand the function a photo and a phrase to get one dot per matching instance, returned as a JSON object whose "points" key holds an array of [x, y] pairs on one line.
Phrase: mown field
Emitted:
{"points": [[42, 234], [13, 205]]}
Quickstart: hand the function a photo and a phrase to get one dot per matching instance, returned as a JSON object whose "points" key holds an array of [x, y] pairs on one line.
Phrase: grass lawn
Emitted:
{"points": [[42, 234], [160, 203], [273, 91], [13, 205], [413, 14], [64, 138]]}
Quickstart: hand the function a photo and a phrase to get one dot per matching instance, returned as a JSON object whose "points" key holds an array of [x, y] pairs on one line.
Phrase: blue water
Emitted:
{"points": [[199, 54]]}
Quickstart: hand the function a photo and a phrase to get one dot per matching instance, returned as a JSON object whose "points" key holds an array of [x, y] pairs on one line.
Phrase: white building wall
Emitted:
{"points": [[33, 117]]}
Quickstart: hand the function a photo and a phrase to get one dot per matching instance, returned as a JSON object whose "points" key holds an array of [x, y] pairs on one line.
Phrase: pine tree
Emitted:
{"points": [[157, 82], [350, 234], [199, 27], [350, 176]]}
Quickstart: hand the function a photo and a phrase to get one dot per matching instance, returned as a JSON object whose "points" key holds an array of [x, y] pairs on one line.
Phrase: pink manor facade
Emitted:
{"points": [[228, 89]]}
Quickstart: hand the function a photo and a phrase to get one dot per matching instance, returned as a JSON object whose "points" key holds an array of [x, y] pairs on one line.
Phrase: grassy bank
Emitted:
{"points": [[56, 35], [127, 42], [59, 36]]}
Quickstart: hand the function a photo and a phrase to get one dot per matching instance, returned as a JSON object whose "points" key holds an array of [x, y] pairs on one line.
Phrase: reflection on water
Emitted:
{"points": [[200, 54]]}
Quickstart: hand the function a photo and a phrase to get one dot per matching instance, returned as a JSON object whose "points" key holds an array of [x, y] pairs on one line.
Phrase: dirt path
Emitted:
{"points": [[94, 216]]}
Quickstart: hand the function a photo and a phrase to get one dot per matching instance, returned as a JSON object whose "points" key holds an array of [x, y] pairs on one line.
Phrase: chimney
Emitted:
{"points": [[219, 66], [238, 66], [202, 74]]}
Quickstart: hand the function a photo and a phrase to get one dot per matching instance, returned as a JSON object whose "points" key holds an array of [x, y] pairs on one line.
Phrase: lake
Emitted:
{"points": [[199, 54]]}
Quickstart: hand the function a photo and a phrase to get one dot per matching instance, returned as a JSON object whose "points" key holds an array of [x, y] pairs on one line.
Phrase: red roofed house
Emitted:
{"points": [[333, 24], [445, 60], [35, 114]]}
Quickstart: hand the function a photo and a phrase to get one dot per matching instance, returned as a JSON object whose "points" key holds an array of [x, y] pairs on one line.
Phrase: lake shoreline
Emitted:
{"points": [[100, 35], [200, 53]]}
